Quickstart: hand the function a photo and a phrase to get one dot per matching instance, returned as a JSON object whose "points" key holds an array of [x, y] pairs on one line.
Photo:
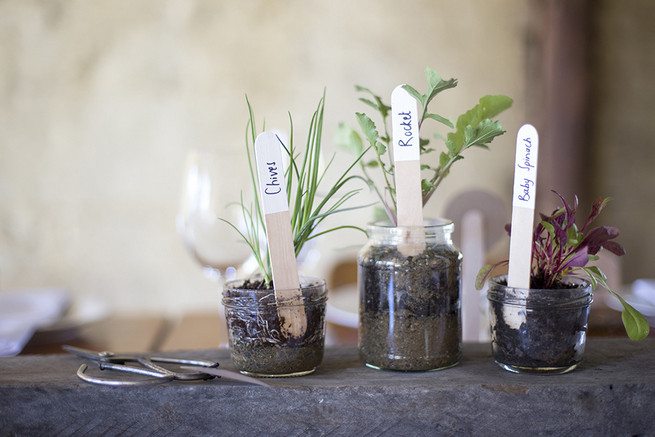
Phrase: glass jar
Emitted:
{"points": [[536, 330], [259, 346], [409, 283]]}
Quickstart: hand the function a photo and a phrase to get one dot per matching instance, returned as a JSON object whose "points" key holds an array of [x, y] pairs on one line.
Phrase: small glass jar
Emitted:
{"points": [[259, 344], [540, 331], [410, 312]]}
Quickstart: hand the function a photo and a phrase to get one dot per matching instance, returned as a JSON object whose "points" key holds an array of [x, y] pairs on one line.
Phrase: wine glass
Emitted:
{"points": [[212, 190]]}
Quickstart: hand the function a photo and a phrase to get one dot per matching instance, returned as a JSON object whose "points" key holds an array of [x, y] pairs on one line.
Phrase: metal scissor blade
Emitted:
{"points": [[184, 361], [199, 372], [84, 353], [227, 374], [103, 356]]}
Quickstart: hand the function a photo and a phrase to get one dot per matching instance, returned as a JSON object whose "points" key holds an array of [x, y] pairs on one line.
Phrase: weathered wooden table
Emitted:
{"points": [[611, 393]]}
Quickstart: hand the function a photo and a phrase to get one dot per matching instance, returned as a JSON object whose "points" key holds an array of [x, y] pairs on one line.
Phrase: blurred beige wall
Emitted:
{"points": [[622, 147], [100, 101]]}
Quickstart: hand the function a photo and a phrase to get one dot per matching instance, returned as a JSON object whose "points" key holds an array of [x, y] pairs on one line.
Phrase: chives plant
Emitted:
{"points": [[304, 177]]}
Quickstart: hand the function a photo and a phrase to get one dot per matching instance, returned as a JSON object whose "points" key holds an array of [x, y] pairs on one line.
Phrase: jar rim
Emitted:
{"points": [[313, 291], [428, 223], [306, 282], [580, 295], [431, 228], [577, 281]]}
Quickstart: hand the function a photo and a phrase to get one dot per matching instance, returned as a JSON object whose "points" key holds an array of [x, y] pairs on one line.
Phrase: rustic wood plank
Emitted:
{"points": [[606, 395], [408, 187]]}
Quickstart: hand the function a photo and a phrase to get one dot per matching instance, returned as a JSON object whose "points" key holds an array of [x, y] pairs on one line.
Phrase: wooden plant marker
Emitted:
{"points": [[407, 164], [275, 205], [523, 201]]}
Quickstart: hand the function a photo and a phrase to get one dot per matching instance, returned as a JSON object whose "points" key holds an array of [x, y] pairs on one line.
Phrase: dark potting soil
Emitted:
{"points": [[265, 358], [547, 338], [410, 309], [537, 283], [259, 345]]}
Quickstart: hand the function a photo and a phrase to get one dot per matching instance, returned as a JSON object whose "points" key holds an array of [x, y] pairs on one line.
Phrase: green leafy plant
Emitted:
{"points": [[560, 248], [308, 208], [474, 128]]}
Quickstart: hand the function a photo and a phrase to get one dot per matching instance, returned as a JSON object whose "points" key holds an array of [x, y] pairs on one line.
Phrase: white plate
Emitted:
{"points": [[644, 308], [83, 310], [343, 306], [640, 297], [22, 312]]}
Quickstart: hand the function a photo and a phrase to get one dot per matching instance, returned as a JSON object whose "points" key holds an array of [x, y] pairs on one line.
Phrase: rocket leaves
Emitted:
{"points": [[473, 128]]}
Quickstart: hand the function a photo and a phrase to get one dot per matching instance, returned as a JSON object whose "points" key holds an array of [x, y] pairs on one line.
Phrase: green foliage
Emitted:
{"points": [[560, 248], [473, 128], [635, 324], [307, 208]]}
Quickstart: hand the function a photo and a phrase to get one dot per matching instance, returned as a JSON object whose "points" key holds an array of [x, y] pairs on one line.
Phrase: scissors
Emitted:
{"points": [[110, 361]]}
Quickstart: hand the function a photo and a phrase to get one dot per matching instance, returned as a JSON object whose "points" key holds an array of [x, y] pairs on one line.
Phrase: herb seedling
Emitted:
{"points": [[473, 128], [560, 248], [303, 176]]}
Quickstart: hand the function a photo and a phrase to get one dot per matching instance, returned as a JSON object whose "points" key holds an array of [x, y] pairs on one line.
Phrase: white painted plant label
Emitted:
{"points": [[275, 205], [407, 170], [270, 168], [523, 203], [407, 158]]}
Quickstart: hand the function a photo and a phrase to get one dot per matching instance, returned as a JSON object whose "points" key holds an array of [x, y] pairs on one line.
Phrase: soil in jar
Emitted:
{"points": [[258, 344], [549, 337], [410, 309]]}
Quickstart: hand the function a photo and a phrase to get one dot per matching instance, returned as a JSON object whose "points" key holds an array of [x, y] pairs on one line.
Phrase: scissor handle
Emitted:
{"points": [[183, 361], [149, 362], [157, 377], [110, 360]]}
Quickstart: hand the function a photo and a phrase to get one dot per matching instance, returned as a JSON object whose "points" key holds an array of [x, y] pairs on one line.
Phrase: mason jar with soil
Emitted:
{"points": [[259, 344], [410, 312], [540, 331]]}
